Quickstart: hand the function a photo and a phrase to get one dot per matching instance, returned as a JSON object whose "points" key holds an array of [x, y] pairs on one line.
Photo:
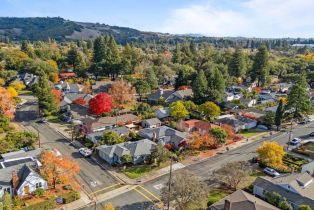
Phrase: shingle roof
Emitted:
{"points": [[241, 200], [136, 148], [160, 93], [152, 121], [273, 185]]}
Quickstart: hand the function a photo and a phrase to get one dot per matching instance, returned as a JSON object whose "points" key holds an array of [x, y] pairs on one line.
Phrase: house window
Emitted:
{"points": [[38, 185]]}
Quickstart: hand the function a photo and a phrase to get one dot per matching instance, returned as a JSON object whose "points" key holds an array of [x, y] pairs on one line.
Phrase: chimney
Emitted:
{"points": [[227, 205], [15, 181]]}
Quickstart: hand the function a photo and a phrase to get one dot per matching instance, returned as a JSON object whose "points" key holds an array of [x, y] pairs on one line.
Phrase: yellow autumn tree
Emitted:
{"points": [[271, 153], [18, 85], [13, 93], [108, 206]]}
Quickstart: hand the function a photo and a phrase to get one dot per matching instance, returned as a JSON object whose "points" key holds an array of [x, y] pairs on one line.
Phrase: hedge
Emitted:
{"points": [[45, 205], [70, 197]]}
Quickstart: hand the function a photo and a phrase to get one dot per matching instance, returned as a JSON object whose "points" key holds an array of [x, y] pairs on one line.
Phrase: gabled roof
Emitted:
{"points": [[136, 148], [305, 195], [152, 121], [241, 200], [160, 93], [184, 93]]}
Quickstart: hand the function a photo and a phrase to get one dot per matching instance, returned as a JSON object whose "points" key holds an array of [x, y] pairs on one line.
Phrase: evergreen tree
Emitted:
{"points": [[200, 86], [237, 66], [216, 86], [298, 98], [151, 79], [177, 55], [279, 114], [260, 69], [75, 59], [113, 59], [99, 49], [27, 48], [184, 75], [46, 99]]}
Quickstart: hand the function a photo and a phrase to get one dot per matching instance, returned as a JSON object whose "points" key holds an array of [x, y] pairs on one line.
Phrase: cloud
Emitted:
{"points": [[253, 18]]}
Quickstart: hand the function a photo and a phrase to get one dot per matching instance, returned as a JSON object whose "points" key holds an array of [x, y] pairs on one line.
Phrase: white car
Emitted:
{"points": [[85, 152], [271, 172], [295, 141]]}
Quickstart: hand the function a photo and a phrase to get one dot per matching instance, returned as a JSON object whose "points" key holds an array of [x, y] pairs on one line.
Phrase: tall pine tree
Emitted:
{"points": [[216, 86], [200, 87], [260, 69], [237, 66], [299, 99]]}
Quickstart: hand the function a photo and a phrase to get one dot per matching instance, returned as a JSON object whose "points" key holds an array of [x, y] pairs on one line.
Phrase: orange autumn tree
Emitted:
{"points": [[7, 106], [58, 95], [122, 94], [57, 169], [200, 141]]}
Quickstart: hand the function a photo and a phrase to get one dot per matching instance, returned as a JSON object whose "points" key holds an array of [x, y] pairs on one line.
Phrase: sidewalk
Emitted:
{"points": [[83, 201]]}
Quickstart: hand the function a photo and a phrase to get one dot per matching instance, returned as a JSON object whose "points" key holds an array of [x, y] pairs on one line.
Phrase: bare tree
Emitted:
{"points": [[233, 173], [186, 190]]}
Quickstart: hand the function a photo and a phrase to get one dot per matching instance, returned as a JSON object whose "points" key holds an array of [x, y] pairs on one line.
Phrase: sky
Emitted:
{"points": [[247, 18]]}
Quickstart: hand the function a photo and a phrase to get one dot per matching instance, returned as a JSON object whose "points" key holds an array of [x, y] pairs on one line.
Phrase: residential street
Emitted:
{"points": [[144, 199], [91, 177], [94, 179]]}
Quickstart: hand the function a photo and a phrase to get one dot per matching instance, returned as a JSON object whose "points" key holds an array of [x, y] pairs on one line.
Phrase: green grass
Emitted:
{"points": [[53, 118], [134, 172], [250, 133], [215, 195], [309, 146]]}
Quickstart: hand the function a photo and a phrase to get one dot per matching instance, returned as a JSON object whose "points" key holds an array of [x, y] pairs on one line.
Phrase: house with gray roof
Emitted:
{"points": [[151, 123], [96, 136], [297, 188], [18, 175], [138, 150], [241, 200], [169, 96], [162, 113], [165, 135]]}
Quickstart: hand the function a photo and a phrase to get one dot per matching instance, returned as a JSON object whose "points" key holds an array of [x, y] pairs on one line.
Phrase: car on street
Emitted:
{"points": [[85, 151], [42, 121], [295, 141], [311, 134], [271, 172]]}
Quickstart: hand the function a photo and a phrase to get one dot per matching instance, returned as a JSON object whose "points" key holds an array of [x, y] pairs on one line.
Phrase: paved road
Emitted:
{"points": [[143, 199], [91, 177]]}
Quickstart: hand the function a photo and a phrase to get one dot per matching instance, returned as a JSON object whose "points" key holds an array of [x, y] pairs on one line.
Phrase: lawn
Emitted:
{"points": [[250, 133], [309, 146], [53, 118], [134, 172], [216, 195]]}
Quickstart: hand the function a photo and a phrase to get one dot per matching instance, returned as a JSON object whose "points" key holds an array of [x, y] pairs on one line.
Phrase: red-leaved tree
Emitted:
{"points": [[58, 95], [101, 103]]}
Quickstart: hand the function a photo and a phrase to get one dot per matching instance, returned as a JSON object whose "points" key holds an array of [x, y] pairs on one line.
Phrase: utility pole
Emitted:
{"points": [[169, 186]]}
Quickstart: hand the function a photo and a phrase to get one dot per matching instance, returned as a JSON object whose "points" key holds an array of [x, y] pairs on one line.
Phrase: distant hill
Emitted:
{"points": [[43, 28]]}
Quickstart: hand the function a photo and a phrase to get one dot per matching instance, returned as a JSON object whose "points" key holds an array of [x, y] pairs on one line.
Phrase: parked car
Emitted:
{"points": [[311, 134], [42, 121], [305, 121], [295, 141], [85, 152], [262, 127], [271, 172], [254, 160]]}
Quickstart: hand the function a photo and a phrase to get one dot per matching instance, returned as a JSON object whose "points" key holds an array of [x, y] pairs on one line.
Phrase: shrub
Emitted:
{"points": [[70, 197], [45, 205], [39, 192]]}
